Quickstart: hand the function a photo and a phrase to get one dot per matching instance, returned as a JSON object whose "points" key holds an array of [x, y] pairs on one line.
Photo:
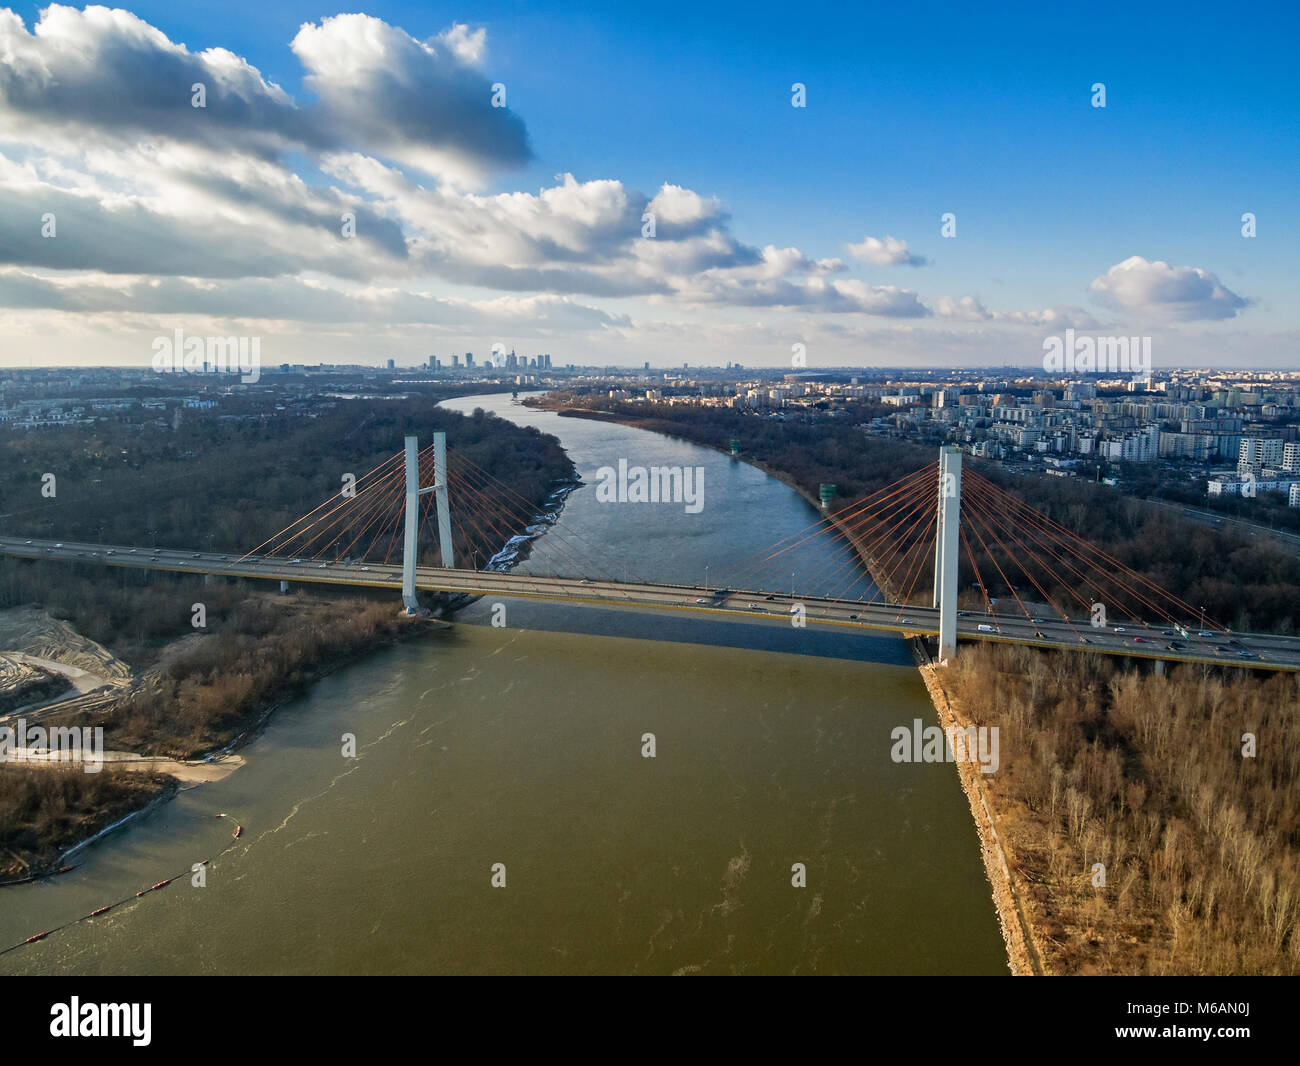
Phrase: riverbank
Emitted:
{"points": [[48, 808], [49, 811], [1024, 955]]}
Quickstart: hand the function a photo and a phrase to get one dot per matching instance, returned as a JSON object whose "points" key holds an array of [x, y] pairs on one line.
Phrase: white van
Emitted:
{"points": [[986, 629]]}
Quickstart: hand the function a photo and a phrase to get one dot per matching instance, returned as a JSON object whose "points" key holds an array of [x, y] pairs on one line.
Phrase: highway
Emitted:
{"points": [[1160, 642]]}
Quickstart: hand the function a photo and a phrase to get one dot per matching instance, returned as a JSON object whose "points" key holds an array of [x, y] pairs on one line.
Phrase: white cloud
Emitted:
{"points": [[422, 103], [1180, 294], [970, 309], [887, 252], [469, 46]]}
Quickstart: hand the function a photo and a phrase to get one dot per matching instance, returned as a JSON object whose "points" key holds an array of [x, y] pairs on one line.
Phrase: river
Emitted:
{"points": [[523, 746]]}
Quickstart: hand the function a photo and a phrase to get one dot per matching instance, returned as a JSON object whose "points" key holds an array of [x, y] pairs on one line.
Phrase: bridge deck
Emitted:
{"points": [[1258, 651]]}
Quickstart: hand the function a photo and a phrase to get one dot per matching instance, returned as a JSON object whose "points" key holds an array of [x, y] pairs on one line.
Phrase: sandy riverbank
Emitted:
{"points": [[187, 773]]}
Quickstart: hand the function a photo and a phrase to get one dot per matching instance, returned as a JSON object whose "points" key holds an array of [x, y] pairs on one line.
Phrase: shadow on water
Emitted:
{"points": [[769, 636]]}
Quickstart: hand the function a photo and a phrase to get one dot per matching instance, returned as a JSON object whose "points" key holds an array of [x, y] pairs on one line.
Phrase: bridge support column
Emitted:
{"points": [[440, 499], [946, 549], [410, 546], [412, 523], [1160, 666], [284, 586]]}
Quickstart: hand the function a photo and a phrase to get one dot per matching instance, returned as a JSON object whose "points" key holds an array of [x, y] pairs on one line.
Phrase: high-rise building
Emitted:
{"points": [[1259, 453], [392, 364], [469, 359]]}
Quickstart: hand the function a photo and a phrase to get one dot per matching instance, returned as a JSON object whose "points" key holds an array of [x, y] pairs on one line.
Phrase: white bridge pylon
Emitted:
{"points": [[946, 549], [413, 494]]}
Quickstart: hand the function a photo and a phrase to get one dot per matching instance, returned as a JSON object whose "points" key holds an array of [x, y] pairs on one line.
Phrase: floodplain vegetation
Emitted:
{"points": [[1184, 787]]}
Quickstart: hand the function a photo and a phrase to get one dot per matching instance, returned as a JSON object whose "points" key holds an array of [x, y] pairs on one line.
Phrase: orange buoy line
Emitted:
{"points": [[239, 829]]}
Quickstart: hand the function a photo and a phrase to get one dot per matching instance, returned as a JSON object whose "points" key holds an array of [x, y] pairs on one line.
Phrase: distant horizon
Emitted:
{"points": [[847, 368]]}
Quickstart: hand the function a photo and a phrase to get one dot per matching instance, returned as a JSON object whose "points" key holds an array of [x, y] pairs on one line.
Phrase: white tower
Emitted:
{"points": [[947, 549], [413, 494]]}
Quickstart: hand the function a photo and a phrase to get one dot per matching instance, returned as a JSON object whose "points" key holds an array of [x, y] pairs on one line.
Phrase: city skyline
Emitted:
{"points": [[347, 191]]}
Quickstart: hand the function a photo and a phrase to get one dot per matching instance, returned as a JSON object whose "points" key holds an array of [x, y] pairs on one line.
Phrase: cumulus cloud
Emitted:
{"points": [[238, 208], [103, 74], [423, 103], [966, 309], [970, 309], [887, 252], [1180, 294], [291, 299]]}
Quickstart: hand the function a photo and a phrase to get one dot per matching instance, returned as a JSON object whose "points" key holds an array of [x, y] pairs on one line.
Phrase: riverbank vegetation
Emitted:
{"points": [[215, 482], [1104, 764], [261, 650], [45, 810]]}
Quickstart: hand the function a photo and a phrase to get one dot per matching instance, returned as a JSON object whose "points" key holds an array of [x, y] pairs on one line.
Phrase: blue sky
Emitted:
{"points": [[910, 113]]}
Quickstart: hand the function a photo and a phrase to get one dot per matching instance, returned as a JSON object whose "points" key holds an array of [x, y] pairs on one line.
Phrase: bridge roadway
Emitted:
{"points": [[1260, 651]]}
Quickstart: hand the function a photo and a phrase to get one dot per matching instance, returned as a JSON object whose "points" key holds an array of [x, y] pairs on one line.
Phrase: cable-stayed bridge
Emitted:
{"points": [[983, 564]]}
